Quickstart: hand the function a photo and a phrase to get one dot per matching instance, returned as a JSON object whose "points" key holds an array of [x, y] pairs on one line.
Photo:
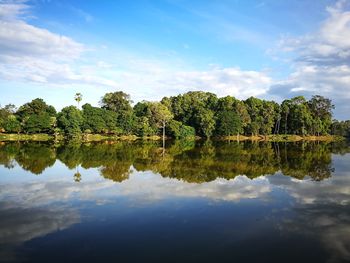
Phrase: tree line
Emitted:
{"points": [[194, 113]]}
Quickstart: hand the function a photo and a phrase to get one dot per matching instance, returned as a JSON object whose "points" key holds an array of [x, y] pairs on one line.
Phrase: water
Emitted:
{"points": [[193, 202]]}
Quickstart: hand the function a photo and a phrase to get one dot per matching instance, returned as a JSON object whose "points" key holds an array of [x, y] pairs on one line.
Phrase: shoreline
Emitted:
{"points": [[102, 137]]}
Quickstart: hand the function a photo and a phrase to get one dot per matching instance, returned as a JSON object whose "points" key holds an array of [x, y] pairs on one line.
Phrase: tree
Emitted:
{"points": [[161, 115], [99, 120], [180, 131], [269, 114], [116, 101], [78, 98], [36, 116], [204, 118], [194, 108], [70, 120], [285, 108], [36, 106], [321, 109], [5, 112], [254, 107], [11, 124], [37, 123], [120, 103], [228, 123]]}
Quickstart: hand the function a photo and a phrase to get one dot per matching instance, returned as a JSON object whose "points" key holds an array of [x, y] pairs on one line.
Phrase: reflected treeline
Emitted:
{"points": [[190, 161]]}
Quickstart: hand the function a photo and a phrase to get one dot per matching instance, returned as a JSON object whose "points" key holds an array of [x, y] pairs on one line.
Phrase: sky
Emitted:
{"points": [[270, 49]]}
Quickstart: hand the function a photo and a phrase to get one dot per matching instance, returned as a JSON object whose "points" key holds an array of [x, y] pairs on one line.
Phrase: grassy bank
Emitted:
{"points": [[26, 137], [85, 138], [283, 138], [102, 137]]}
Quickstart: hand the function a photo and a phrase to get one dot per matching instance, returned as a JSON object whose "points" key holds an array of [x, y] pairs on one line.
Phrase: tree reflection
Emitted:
{"points": [[190, 161]]}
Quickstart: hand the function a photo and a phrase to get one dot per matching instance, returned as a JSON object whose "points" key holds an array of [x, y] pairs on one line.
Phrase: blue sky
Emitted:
{"points": [[150, 49]]}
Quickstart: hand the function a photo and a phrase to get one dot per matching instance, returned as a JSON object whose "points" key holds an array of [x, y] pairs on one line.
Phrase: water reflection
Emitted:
{"points": [[189, 161], [213, 198]]}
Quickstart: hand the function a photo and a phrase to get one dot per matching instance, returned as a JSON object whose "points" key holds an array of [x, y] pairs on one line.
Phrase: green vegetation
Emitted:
{"points": [[186, 115]]}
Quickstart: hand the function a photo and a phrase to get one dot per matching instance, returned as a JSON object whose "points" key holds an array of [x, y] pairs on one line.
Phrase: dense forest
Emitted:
{"points": [[194, 113]]}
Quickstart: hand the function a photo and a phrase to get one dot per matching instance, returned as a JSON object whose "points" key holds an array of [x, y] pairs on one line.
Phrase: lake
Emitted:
{"points": [[203, 201]]}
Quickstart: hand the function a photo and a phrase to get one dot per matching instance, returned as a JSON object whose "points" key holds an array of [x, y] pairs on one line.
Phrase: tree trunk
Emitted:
{"points": [[163, 135], [285, 125]]}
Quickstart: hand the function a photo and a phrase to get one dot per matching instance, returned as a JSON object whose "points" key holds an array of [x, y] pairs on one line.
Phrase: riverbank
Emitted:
{"points": [[85, 137], [101, 137], [284, 138]]}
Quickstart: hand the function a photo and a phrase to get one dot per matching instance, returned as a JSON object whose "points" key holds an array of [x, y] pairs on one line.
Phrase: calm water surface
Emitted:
{"points": [[193, 202]]}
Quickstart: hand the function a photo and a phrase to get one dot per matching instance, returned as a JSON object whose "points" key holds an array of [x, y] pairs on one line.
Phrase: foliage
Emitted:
{"points": [[180, 131], [70, 120], [228, 123], [11, 124], [98, 120], [185, 115]]}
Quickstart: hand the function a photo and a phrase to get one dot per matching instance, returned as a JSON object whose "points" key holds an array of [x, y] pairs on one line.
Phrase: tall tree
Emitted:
{"points": [[120, 103], [161, 115], [116, 101], [228, 123], [78, 98], [321, 109]]}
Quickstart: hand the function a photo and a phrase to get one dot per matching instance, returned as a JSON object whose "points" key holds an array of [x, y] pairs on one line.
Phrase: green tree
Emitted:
{"points": [[36, 116], [116, 101], [36, 106], [99, 120], [180, 131], [70, 120], [120, 103], [254, 107], [5, 112], [78, 97], [321, 109], [37, 123], [12, 124], [228, 123], [204, 118], [161, 115]]}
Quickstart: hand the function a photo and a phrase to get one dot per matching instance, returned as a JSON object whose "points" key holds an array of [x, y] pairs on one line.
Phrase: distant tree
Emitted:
{"points": [[116, 101], [78, 98], [341, 128], [36, 106]]}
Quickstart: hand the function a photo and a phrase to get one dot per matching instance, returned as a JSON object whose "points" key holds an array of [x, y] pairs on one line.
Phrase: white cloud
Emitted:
{"points": [[32, 54], [155, 82], [321, 61], [330, 44]]}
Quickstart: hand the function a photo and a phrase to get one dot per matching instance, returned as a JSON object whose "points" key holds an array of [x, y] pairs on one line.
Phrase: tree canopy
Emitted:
{"points": [[195, 113]]}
